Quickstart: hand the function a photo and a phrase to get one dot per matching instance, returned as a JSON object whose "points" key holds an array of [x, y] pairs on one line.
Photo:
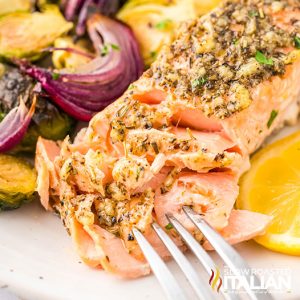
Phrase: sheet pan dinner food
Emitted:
{"points": [[176, 106]]}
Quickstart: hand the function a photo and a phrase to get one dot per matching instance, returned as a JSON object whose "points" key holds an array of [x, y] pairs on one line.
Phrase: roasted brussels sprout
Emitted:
{"points": [[48, 121], [10, 6], [38, 31], [17, 182]]}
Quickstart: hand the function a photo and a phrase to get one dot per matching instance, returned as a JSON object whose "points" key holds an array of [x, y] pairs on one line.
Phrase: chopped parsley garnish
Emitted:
{"points": [[235, 42], [115, 47], [169, 226], [153, 54], [297, 42], [198, 82], [262, 59], [273, 115], [253, 13], [164, 24], [55, 76], [104, 50], [131, 86], [107, 47]]}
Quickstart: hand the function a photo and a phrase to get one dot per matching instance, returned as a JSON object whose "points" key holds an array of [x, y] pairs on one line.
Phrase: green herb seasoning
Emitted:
{"points": [[153, 54], [273, 115], [104, 50], [115, 47], [164, 24], [169, 226], [297, 42], [107, 47], [262, 59], [253, 13], [198, 82], [131, 86], [55, 76]]}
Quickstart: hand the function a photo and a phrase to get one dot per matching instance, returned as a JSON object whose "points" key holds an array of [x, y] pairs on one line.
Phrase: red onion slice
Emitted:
{"points": [[101, 81], [83, 7], [14, 126]]}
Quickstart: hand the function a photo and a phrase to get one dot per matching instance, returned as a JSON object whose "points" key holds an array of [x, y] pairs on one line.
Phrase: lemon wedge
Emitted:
{"points": [[272, 187]]}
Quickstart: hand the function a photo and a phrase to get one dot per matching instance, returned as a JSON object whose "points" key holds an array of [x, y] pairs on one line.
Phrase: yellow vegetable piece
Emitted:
{"points": [[9, 6], [69, 60], [272, 187], [25, 34], [204, 6]]}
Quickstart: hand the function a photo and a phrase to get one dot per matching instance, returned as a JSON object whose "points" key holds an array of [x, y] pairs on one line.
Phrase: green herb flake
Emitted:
{"points": [[115, 47], [297, 42], [55, 76], [273, 115], [262, 59], [169, 226], [198, 82], [131, 86], [107, 47], [235, 42], [253, 13], [104, 50], [153, 54], [164, 24]]}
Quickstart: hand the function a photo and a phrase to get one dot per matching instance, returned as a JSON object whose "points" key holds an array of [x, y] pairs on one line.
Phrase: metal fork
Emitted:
{"points": [[229, 255]]}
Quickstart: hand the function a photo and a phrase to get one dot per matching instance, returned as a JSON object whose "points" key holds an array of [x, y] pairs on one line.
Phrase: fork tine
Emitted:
{"points": [[229, 255], [200, 288], [199, 252], [159, 268]]}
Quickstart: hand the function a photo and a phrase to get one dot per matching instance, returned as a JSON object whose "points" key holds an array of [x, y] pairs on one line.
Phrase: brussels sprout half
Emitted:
{"points": [[48, 121], [39, 30], [17, 182]]}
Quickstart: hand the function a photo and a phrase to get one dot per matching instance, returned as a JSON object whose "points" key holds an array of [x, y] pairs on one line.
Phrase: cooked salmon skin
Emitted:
{"points": [[180, 135]]}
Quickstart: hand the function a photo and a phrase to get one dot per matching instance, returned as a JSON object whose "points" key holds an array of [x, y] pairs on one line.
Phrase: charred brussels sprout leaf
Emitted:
{"points": [[12, 85], [39, 30], [17, 182], [48, 121]]}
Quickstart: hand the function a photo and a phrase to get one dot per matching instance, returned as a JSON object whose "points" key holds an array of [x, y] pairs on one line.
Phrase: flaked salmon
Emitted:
{"points": [[180, 135]]}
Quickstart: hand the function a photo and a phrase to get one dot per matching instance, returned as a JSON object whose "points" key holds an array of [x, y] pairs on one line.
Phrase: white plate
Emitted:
{"points": [[37, 262]]}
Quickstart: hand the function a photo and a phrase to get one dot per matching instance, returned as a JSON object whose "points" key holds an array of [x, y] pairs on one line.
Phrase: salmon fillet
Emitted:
{"points": [[180, 135]]}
